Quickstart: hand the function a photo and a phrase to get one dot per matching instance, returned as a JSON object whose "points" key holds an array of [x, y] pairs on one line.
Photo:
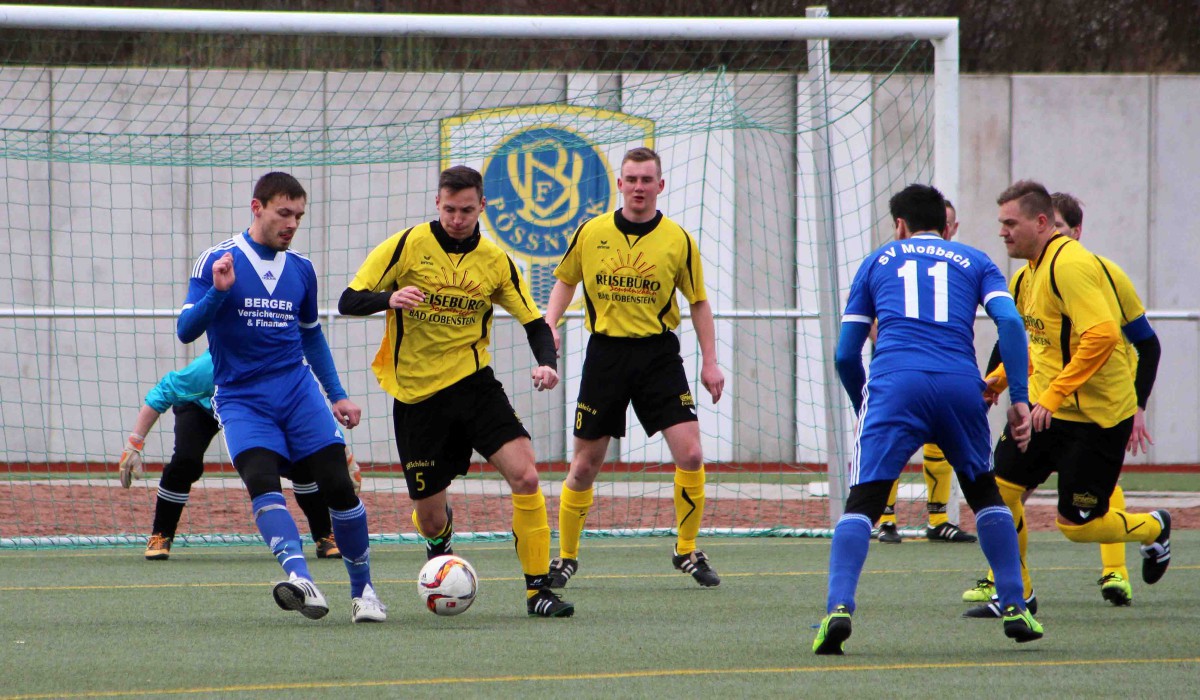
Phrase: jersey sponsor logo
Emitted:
{"points": [[628, 280], [454, 301], [546, 170], [261, 303]]}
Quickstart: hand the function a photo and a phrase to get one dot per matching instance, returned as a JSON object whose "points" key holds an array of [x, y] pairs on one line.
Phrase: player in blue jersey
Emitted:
{"points": [[257, 301], [188, 393], [925, 387]]}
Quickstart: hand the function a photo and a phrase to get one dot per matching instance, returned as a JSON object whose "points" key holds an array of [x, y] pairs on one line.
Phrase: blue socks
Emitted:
{"points": [[998, 539], [851, 538], [350, 531], [279, 531]]}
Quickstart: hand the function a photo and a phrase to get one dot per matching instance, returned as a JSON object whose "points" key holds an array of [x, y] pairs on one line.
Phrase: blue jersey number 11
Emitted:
{"points": [[912, 305]]}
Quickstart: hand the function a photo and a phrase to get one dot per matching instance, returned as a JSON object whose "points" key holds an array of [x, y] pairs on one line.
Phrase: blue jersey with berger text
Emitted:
{"points": [[924, 291], [256, 330]]}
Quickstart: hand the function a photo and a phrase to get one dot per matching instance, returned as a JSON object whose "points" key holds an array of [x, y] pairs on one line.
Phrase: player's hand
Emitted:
{"points": [[1020, 425], [131, 460], [355, 471], [991, 393], [713, 380], [544, 378], [407, 298], [223, 274], [347, 413], [1140, 437], [1041, 418]]}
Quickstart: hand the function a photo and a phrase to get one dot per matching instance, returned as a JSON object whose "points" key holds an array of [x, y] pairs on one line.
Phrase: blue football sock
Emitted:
{"points": [[350, 531], [998, 539], [851, 538], [279, 531]]}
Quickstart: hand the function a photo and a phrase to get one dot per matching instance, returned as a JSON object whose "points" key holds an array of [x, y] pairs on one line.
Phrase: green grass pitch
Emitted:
{"points": [[105, 623]]}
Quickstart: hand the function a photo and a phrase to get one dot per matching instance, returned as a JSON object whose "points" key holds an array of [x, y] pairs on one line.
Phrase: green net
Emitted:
{"points": [[125, 156]]}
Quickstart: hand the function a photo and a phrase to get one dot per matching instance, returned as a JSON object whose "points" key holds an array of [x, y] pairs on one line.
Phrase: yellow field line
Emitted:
{"points": [[615, 675]]}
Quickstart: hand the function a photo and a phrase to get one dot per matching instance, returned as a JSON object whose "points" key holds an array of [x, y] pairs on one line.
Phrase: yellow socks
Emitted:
{"points": [[937, 473], [1115, 526], [889, 511], [1112, 554], [531, 529], [689, 508], [573, 507]]}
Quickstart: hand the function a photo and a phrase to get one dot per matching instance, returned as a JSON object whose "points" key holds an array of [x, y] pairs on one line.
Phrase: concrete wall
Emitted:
{"points": [[71, 387]]}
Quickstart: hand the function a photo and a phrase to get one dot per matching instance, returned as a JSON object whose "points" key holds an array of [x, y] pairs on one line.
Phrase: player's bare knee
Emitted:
{"points": [[433, 526], [582, 472], [523, 482], [690, 459]]}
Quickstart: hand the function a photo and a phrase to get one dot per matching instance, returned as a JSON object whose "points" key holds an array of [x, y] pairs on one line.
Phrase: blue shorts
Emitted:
{"points": [[904, 410], [285, 413]]}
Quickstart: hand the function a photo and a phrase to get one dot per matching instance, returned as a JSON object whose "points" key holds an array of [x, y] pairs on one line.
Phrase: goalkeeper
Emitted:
{"points": [[188, 392]]}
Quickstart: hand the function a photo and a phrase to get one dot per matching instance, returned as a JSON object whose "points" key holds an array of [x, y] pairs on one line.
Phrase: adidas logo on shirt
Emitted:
{"points": [[269, 275]]}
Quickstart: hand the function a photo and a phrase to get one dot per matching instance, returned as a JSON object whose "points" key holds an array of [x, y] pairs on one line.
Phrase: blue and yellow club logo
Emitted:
{"points": [[546, 170], [541, 183]]}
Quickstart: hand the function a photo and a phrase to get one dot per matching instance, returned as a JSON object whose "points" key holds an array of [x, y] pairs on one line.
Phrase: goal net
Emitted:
{"points": [[126, 153]]}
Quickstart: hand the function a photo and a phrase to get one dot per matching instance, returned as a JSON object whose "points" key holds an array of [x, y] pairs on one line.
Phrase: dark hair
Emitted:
{"points": [[272, 185], [641, 154], [921, 206], [1031, 196], [459, 178], [950, 205], [1070, 207]]}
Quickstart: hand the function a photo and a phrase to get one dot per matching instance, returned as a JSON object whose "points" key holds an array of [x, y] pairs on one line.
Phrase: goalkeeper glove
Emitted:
{"points": [[355, 473], [131, 460]]}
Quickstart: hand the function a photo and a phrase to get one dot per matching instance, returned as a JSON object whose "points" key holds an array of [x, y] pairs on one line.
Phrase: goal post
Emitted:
{"points": [[782, 139]]}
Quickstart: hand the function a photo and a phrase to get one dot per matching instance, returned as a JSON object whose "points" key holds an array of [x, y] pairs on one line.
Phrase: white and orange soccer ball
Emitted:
{"points": [[448, 585]]}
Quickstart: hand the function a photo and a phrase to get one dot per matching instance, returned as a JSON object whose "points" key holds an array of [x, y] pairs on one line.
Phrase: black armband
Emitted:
{"points": [[1148, 351], [994, 360], [356, 302], [541, 341]]}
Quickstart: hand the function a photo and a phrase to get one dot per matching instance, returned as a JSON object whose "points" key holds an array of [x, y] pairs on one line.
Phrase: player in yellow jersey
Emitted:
{"points": [[438, 282], [1083, 379], [1114, 579], [631, 262], [936, 470]]}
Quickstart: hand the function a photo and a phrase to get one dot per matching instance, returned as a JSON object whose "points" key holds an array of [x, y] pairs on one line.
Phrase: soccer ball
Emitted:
{"points": [[448, 585]]}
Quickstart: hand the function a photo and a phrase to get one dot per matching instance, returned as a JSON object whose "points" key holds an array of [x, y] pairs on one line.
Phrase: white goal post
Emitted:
{"points": [[834, 209]]}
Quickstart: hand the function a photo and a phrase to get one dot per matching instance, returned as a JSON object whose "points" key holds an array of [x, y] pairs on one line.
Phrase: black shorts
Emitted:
{"points": [[645, 371], [436, 436], [1088, 460]]}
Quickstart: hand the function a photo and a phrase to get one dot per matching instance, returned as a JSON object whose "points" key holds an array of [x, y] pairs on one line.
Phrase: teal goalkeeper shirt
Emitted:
{"points": [[192, 384]]}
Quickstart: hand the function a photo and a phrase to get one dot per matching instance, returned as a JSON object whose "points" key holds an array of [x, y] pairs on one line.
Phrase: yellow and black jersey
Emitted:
{"points": [[630, 272], [1066, 292], [446, 338], [1127, 297]]}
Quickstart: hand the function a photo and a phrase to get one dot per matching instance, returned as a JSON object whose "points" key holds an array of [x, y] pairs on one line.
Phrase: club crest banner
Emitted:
{"points": [[546, 170]]}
